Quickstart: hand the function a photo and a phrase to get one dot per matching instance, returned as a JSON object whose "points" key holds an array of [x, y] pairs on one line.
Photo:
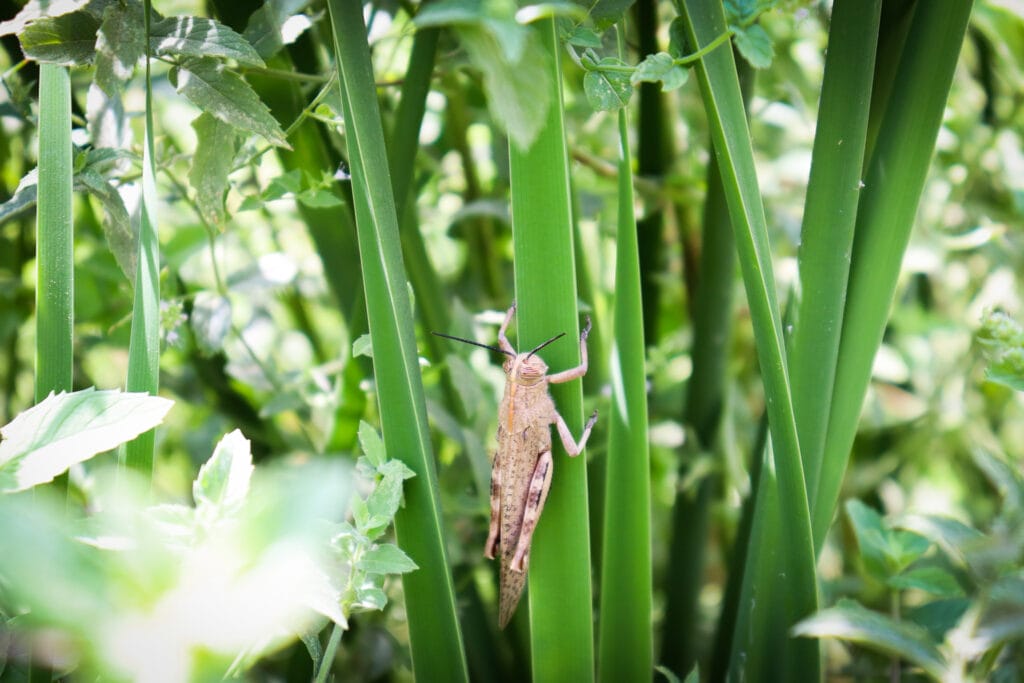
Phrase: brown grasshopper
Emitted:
{"points": [[521, 473]]}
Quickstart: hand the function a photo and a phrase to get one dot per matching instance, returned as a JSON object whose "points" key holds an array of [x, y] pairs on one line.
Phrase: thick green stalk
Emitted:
{"points": [[144, 346], [55, 264], [560, 590], [436, 643], [830, 214], [625, 649], [727, 121], [895, 178]]}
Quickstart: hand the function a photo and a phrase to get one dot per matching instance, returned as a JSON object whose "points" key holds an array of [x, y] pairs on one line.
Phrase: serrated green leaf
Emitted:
{"points": [[607, 90], [386, 559], [223, 481], [216, 144], [117, 225], [383, 502], [66, 429], [24, 196], [120, 43], [954, 537], [223, 94], [67, 40], [661, 68], [34, 10], [201, 37], [850, 621], [360, 515], [755, 45], [289, 183], [372, 444]]}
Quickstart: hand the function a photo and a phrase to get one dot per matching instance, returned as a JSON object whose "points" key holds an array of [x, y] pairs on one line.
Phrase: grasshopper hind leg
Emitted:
{"points": [[493, 533], [540, 483]]}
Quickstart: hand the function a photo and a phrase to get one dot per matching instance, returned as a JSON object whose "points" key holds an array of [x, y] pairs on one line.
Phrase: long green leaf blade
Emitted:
{"points": [[885, 217], [437, 651], [625, 639], [562, 641], [726, 115], [54, 236]]}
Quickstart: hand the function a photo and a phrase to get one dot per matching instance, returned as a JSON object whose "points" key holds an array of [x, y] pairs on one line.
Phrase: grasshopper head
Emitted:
{"points": [[526, 369]]}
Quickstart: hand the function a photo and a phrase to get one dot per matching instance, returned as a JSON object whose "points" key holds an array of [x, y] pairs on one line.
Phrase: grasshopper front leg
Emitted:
{"points": [[579, 370], [503, 342], [540, 482]]}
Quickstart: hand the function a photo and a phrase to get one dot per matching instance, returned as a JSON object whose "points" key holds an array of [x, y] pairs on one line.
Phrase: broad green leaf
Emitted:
{"points": [[371, 597], [755, 45], [120, 44], [201, 37], [518, 92], [607, 90], [372, 444], [885, 552], [933, 580], [954, 537], [285, 184], [66, 429], [216, 143], [276, 24], [211, 321], [386, 559], [223, 481], [661, 68], [604, 13], [68, 40], [117, 225], [319, 198], [850, 621], [35, 10], [223, 94]]}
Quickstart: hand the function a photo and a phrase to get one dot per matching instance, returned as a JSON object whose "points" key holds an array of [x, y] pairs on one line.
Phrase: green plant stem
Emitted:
{"points": [[562, 647], [55, 284], [435, 640], [144, 346], [625, 639]]}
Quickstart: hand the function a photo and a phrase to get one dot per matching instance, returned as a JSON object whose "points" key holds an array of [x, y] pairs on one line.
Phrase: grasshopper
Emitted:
{"points": [[521, 472]]}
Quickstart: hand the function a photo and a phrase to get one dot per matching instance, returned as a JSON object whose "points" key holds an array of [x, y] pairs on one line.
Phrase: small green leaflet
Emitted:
{"points": [[223, 94], [660, 67], [754, 44], [119, 45], [607, 90], [200, 37], [386, 559], [372, 444], [216, 143], [223, 481]]}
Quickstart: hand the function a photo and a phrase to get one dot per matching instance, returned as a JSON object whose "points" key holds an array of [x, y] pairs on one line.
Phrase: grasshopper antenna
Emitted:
{"points": [[542, 345], [482, 346]]}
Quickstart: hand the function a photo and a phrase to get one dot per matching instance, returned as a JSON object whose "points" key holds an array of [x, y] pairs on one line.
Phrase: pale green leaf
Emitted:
{"points": [[35, 10], [201, 37], [755, 45], [216, 143], [660, 68], [223, 481], [117, 225], [66, 429], [850, 621], [386, 559], [372, 444], [276, 24], [120, 44], [222, 93], [934, 580], [362, 346], [582, 36], [607, 90], [66, 40]]}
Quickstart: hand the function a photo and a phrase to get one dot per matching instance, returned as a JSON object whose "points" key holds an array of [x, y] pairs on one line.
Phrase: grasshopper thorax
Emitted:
{"points": [[526, 369]]}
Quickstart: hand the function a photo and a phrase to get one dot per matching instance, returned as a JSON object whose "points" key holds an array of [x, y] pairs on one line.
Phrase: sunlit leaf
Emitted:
{"points": [[201, 37], [386, 559], [67, 40], [33, 10], [222, 93], [66, 429], [607, 90], [120, 43], [755, 45], [372, 444], [223, 481], [216, 142]]}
